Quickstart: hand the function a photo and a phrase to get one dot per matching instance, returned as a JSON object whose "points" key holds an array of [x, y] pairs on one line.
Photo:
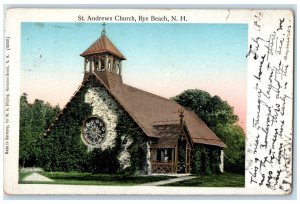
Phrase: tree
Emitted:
{"points": [[234, 137], [212, 110], [34, 119], [26, 143], [219, 116]]}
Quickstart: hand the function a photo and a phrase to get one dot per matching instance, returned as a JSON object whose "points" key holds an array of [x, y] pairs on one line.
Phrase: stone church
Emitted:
{"points": [[170, 131]]}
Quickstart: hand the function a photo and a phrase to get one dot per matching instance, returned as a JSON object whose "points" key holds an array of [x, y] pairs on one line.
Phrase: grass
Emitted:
{"points": [[77, 178], [213, 180], [22, 175]]}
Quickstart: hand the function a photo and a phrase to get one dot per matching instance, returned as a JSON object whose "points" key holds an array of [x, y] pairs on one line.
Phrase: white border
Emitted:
{"points": [[41, 15]]}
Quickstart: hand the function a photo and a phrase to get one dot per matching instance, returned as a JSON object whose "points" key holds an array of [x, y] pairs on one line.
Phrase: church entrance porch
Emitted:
{"points": [[163, 160], [171, 156], [171, 160]]}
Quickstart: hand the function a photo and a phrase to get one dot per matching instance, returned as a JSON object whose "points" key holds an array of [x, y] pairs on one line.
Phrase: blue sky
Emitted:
{"points": [[164, 59]]}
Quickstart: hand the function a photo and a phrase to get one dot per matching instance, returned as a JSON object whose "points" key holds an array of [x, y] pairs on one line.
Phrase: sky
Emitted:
{"points": [[164, 59]]}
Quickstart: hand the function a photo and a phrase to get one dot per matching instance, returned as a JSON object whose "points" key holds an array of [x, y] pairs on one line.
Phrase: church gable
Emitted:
{"points": [[122, 130], [106, 108], [72, 134]]}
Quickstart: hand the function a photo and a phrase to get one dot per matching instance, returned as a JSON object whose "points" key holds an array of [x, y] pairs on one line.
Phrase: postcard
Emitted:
{"points": [[148, 102]]}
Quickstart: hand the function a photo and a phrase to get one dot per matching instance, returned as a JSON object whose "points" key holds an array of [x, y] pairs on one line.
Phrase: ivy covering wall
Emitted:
{"points": [[205, 160], [107, 161], [62, 149], [128, 129]]}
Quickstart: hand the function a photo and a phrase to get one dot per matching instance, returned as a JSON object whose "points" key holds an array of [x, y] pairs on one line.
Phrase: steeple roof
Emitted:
{"points": [[103, 45]]}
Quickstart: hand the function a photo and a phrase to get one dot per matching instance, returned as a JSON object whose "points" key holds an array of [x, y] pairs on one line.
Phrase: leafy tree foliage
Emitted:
{"points": [[34, 120], [212, 110], [233, 136], [219, 116]]}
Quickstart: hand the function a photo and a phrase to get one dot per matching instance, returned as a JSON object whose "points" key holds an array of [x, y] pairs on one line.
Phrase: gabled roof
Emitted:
{"points": [[168, 135], [103, 45], [148, 110]]}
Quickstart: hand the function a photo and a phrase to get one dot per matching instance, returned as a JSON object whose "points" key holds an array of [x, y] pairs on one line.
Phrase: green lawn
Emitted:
{"points": [[220, 180], [76, 178]]}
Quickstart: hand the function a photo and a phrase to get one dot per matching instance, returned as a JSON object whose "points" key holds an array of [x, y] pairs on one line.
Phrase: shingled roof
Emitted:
{"points": [[103, 45], [168, 135], [149, 110]]}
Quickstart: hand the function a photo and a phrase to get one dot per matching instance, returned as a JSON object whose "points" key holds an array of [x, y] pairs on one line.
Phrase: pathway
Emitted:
{"points": [[173, 180], [37, 177]]}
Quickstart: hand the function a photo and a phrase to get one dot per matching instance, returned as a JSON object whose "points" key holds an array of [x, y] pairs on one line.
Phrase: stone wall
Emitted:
{"points": [[106, 108], [124, 156]]}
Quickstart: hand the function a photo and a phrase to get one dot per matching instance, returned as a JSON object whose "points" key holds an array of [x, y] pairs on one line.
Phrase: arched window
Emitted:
{"points": [[92, 65], [102, 64], [87, 67], [117, 68], [114, 66], [109, 65], [96, 64]]}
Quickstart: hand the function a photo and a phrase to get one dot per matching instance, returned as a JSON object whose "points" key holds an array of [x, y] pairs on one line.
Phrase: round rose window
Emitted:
{"points": [[94, 130]]}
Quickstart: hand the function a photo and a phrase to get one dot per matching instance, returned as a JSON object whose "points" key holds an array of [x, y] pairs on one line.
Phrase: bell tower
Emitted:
{"points": [[105, 60]]}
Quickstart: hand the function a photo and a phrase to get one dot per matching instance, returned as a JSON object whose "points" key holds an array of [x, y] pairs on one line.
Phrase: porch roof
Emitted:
{"points": [[168, 135]]}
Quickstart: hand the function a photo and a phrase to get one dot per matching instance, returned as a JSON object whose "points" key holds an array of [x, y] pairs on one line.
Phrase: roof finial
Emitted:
{"points": [[103, 30], [180, 111]]}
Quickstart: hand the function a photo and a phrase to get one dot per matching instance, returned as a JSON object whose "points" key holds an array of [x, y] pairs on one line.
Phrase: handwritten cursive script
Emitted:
{"points": [[269, 144]]}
